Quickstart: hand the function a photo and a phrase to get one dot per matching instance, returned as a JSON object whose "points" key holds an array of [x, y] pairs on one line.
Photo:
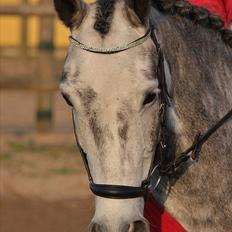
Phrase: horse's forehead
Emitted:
{"points": [[109, 76], [105, 87], [126, 72]]}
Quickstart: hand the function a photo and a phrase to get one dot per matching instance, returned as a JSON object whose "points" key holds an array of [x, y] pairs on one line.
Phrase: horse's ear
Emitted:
{"points": [[140, 7], [71, 12]]}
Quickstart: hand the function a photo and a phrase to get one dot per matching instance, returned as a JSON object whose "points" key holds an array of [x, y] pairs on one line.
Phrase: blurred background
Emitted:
{"points": [[43, 184]]}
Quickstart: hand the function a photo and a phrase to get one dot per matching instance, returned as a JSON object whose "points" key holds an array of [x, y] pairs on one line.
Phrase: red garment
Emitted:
{"points": [[159, 219], [228, 9], [222, 8]]}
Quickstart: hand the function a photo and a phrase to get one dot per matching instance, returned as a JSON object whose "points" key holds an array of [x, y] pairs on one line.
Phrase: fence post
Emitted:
{"points": [[24, 39], [45, 73]]}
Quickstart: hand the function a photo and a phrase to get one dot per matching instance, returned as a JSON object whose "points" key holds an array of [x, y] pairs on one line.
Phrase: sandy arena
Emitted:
{"points": [[43, 184]]}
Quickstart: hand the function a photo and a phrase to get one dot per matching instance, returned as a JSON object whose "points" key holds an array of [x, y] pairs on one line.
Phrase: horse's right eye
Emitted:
{"points": [[150, 97], [67, 99]]}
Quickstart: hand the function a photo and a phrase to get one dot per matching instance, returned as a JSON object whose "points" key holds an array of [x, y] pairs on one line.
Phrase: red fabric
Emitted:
{"points": [[222, 8], [228, 9], [159, 219]]}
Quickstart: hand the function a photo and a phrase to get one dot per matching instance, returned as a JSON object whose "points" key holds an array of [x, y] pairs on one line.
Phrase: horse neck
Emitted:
{"points": [[200, 65]]}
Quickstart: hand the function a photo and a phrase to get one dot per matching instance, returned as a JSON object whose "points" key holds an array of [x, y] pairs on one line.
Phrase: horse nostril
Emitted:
{"points": [[95, 227], [139, 226]]}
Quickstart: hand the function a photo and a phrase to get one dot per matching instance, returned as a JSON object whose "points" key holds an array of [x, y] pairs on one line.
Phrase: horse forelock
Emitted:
{"points": [[104, 16]]}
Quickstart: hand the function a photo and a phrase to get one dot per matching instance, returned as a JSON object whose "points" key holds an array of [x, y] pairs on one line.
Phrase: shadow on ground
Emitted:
{"points": [[19, 214]]}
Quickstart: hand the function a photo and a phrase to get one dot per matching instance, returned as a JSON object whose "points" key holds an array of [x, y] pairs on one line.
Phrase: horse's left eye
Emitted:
{"points": [[67, 99], [150, 97]]}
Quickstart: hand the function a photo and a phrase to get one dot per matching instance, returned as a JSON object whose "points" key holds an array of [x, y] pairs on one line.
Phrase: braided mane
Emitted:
{"points": [[199, 15]]}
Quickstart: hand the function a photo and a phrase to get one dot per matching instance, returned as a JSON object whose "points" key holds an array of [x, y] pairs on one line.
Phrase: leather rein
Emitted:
{"points": [[184, 160]]}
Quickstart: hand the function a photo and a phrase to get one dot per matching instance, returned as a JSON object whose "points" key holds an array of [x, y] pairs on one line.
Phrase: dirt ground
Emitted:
{"points": [[43, 184]]}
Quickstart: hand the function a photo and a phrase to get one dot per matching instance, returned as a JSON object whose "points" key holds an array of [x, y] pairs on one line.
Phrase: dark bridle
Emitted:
{"points": [[184, 160]]}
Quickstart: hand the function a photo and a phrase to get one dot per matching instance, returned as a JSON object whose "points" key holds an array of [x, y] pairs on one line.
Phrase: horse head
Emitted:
{"points": [[114, 92]]}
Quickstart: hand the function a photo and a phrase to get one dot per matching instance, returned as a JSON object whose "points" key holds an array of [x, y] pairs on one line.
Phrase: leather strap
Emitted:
{"points": [[191, 155], [118, 191], [111, 50]]}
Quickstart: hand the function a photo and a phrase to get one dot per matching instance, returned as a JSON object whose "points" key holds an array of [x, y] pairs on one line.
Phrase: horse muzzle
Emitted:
{"points": [[136, 226]]}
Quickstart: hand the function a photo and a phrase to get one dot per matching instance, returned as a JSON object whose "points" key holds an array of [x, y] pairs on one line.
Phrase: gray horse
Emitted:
{"points": [[115, 99]]}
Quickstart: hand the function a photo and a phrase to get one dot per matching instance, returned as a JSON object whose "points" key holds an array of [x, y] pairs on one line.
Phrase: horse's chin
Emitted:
{"points": [[136, 226], [119, 216]]}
